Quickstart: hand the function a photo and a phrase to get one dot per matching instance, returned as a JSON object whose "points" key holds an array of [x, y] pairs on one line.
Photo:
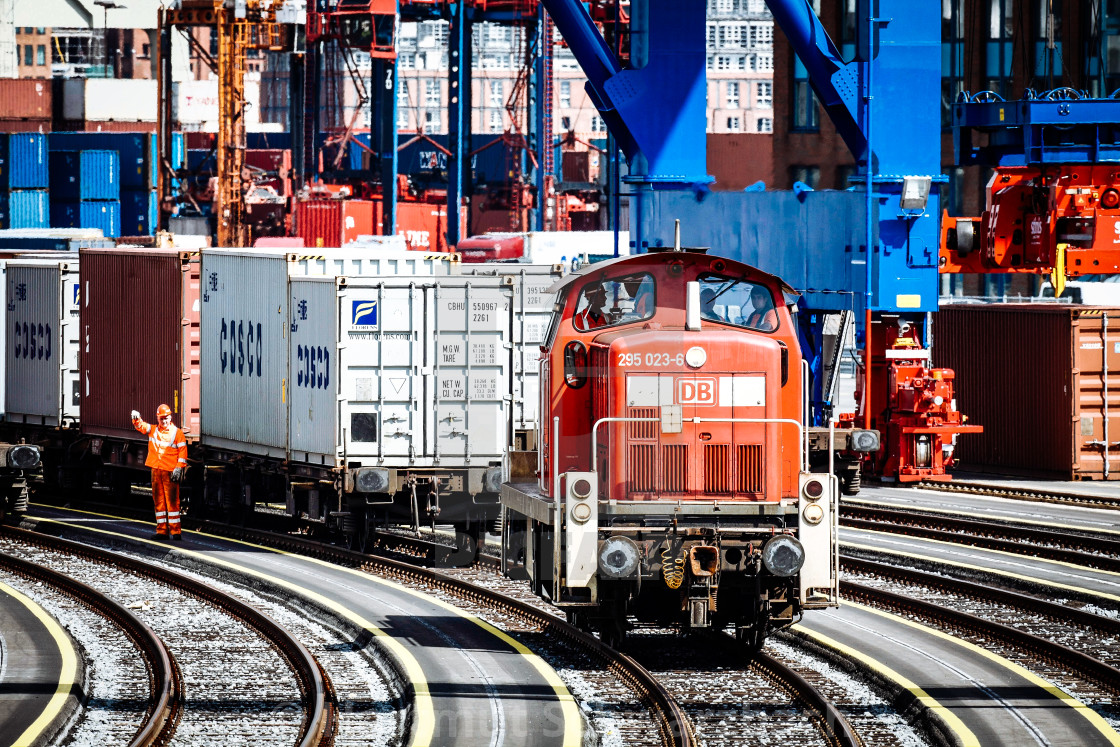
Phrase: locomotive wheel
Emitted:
{"points": [[753, 635]]}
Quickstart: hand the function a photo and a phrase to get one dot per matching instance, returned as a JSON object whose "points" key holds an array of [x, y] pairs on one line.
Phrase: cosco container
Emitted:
{"points": [[25, 208], [41, 351], [138, 153], [23, 161], [411, 372], [85, 175], [104, 215], [532, 313], [141, 338], [1044, 381], [246, 323]]}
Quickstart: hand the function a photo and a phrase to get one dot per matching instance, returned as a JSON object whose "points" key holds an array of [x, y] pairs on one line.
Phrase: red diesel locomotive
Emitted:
{"points": [[672, 480]]}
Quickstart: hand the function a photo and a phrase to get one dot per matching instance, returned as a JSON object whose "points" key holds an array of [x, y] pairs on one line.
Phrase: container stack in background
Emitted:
{"points": [[24, 199], [25, 105], [86, 190]]}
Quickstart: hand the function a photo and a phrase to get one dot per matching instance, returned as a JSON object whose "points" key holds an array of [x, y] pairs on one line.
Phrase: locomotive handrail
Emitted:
{"points": [[787, 421]]}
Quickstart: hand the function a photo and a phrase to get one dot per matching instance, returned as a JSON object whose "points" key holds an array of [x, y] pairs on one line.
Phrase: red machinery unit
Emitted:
{"points": [[496, 247], [1064, 219], [913, 407]]}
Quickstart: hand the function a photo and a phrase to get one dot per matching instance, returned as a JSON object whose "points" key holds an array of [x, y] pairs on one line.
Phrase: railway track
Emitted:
{"points": [[165, 683], [1025, 494], [318, 721]]}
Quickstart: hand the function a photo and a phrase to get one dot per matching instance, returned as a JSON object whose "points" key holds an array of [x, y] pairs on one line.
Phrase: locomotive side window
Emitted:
{"points": [[615, 301], [737, 301]]}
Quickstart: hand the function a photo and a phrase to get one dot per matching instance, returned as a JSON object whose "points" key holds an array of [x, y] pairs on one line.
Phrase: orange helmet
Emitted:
{"points": [[162, 410]]}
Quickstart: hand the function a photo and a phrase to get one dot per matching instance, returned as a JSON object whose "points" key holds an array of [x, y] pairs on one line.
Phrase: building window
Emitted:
{"points": [[734, 124], [497, 93], [1048, 25], [29, 55], [764, 124], [810, 175], [999, 46], [431, 93], [723, 63], [565, 94], [406, 61], [495, 120], [431, 121], [41, 55], [40, 30], [733, 95], [403, 94], [952, 57], [764, 95], [765, 62], [566, 124], [762, 36], [597, 124], [402, 118], [805, 113]]}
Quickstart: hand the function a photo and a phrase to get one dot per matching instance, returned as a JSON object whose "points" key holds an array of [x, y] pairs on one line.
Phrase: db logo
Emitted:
{"points": [[696, 391]]}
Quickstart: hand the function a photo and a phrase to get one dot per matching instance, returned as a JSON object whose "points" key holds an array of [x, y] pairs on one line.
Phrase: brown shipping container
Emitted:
{"points": [[1035, 378], [119, 126], [140, 338], [25, 125], [25, 98]]}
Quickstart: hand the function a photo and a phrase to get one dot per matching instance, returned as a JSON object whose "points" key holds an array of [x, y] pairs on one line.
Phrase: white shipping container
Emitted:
{"points": [[110, 99], [41, 351], [359, 260], [552, 247], [532, 313], [194, 103], [406, 372]]}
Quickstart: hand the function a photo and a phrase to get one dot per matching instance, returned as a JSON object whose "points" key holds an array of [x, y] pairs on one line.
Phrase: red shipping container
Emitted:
{"points": [[25, 125], [273, 162], [200, 140], [139, 311], [25, 98], [116, 126], [333, 223], [499, 247], [424, 225]]}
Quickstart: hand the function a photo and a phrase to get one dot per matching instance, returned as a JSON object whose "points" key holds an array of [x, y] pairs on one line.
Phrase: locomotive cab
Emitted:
{"points": [[672, 483]]}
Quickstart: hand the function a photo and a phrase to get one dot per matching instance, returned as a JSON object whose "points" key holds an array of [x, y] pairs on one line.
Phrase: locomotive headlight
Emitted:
{"points": [[813, 489], [696, 357], [865, 441], [581, 488], [581, 512], [813, 514], [783, 555]]}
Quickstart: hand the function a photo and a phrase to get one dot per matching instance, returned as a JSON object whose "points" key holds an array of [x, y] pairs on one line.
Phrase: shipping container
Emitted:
{"points": [[25, 208], [23, 161], [51, 239], [25, 99], [139, 212], [190, 225], [85, 175], [1035, 377], [132, 360], [104, 215], [130, 127], [424, 225], [246, 326], [580, 166], [110, 99], [194, 104], [138, 153], [41, 126], [492, 247], [271, 168], [411, 372], [333, 223], [532, 314], [41, 354]]}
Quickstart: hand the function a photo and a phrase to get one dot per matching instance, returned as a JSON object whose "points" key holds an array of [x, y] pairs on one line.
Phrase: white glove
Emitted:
{"points": [[177, 474], [135, 415]]}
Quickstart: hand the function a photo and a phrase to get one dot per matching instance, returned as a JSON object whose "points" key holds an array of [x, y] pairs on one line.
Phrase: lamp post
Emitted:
{"points": [[107, 5]]}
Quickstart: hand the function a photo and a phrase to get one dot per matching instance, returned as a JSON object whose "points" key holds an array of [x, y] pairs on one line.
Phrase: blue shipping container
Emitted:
{"points": [[23, 161], [85, 175], [138, 153], [25, 208], [103, 214], [139, 212]]}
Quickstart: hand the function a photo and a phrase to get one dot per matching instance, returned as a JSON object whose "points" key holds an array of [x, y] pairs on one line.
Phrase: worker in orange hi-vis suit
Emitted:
{"points": [[167, 456]]}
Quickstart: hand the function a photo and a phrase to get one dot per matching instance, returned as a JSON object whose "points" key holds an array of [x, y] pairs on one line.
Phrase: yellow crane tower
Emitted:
{"points": [[240, 26]]}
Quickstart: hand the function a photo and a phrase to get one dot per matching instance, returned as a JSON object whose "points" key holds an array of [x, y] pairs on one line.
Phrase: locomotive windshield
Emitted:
{"points": [[737, 301], [615, 301]]}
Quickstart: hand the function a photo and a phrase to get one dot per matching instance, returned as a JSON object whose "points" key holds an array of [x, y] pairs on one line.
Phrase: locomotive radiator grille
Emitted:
{"points": [[717, 468], [643, 431], [674, 460], [643, 468], [750, 468]]}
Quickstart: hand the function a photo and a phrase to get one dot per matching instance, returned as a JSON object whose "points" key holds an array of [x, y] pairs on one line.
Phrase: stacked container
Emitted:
{"points": [[335, 223], [86, 190], [24, 200], [41, 354], [25, 105], [138, 167]]}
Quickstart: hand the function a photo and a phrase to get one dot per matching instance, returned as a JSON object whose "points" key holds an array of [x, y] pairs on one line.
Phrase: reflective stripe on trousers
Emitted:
{"points": [[165, 495]]}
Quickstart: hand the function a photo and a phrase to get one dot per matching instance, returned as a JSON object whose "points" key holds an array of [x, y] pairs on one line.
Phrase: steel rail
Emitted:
{"points": [[320, 719], [165, 681], [672, 724], [1026, 494], [1104, 675], [1026, 602], [1100, 553]]}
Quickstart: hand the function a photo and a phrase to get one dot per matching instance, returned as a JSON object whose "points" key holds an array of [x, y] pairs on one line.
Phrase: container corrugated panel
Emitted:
{"points": [[137, 150], [532, 313], [139, 212], [85, 175], [1033, 377], [23, 98], [23, 161], [104, 215], [245, 350], [141, 345], [353, 260], [27, 208], [412, 371], [41, 324]]}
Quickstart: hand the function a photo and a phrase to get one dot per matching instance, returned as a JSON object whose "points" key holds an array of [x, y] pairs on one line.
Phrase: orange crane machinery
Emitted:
{"points": [[239, 27]]}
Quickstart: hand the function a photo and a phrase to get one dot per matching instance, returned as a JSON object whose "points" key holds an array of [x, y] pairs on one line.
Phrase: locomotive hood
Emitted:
{"points": [[586, 270]]}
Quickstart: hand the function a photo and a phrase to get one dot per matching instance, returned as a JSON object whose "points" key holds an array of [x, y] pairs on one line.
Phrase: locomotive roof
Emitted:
{"points": [[571, 278]]}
